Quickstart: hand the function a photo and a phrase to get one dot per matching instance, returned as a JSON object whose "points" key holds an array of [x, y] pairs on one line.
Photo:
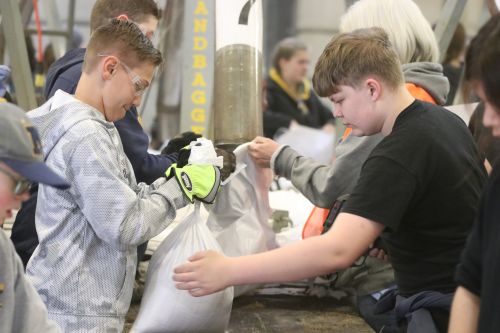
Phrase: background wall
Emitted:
{"points": [[318, 20], [313, 21]]}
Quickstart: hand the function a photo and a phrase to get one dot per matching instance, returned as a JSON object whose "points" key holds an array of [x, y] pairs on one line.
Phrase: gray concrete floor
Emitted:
{"points": [[286, 313], [294, 314]]}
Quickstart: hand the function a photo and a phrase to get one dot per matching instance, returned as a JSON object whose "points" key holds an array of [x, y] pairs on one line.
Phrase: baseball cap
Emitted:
{"points": [[21, 149]]}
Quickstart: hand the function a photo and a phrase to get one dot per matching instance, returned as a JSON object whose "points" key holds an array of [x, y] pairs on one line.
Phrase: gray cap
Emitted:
{"points": [[21, 149]]}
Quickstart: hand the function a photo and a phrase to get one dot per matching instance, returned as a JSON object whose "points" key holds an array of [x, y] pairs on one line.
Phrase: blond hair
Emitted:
{"points": [[350, 57], [136, 10], [123, 39], [409, 31]]}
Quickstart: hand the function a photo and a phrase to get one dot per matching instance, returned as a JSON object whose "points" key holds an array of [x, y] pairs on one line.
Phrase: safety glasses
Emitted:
{"points": [[22, 185], [140, 85]]}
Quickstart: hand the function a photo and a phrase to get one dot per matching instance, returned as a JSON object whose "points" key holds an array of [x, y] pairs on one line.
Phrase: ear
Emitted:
{"points": [[374, 88], [109, 67], [123, 17]]}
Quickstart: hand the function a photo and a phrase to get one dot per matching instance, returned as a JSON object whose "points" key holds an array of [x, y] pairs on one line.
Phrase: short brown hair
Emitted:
{"points": [[482, 59], [350, 57], [286, 49], [123, 39], [136, 10]]}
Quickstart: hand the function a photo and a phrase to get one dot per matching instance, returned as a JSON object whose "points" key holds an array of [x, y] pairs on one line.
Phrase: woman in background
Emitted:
{"points": [[290, 98]]}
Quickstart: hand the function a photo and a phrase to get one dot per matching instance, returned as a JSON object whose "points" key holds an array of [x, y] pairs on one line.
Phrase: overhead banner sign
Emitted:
{"points": [[198, 65]]}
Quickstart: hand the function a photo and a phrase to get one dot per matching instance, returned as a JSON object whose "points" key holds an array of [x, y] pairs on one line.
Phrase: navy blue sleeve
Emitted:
{"points": [[147, 167], [66, 84], [65, 73]]}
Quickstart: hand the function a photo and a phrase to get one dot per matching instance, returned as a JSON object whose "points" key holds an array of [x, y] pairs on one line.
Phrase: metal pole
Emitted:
{"points": [[279, 22], [18, 55], [447, 23], [70, 24]]}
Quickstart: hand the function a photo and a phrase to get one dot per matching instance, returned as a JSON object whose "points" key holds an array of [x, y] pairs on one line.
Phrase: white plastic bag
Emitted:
{"points": [[310, 142], [239, 217], [164, 308], [203, 152]]}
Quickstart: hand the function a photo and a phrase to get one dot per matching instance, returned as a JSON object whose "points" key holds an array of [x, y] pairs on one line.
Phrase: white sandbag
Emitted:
{"points": [[310, 142], [464, 111], [164, 308], [239, 217]]}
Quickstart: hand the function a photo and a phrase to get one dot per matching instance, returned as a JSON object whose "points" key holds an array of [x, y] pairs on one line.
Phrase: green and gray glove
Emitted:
{"points": [[197, 181]]}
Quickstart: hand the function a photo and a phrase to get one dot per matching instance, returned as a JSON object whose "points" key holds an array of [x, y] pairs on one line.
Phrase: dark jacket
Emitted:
{"points": [[64, 74], [283, 108]]}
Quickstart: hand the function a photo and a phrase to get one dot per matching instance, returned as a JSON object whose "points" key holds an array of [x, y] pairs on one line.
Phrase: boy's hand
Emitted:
{"points": [[200, 181], [379, 253], [204, 274], [261, 150]]}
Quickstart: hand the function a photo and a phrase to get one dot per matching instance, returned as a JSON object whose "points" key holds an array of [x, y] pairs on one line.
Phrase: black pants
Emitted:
{"points": [[366, 308]]}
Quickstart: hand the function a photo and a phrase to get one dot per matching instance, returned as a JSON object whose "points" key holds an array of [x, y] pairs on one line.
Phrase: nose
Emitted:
{"points": [[137, 100], [336, 112], [490, 117]]}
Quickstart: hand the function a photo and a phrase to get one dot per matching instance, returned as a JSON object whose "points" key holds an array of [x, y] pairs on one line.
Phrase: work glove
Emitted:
{"points": [[197, 181], [179, 141], [229, 160]]}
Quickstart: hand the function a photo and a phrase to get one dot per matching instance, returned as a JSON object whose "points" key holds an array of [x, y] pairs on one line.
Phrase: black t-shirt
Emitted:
{"points": [[423, 182], [479, 269]]}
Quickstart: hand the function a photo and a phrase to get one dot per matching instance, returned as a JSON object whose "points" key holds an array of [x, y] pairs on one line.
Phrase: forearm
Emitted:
{"points": [[289, 263], [349, 237], [154, 208], [464, 312], [132, 217]]}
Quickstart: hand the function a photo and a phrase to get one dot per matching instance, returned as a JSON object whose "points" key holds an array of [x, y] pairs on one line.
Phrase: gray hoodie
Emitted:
{"points": [[323, 184], [21, 309], [84, 266]]}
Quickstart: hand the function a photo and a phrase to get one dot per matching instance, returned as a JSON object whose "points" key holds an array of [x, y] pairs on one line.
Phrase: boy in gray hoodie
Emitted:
{"points": [[85, 263]]}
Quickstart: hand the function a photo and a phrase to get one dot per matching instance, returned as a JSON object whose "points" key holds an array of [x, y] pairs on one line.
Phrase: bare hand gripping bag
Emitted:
{"points": [[164, 308]]}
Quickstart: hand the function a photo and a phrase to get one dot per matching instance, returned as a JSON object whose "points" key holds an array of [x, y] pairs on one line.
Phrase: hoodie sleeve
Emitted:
{"points": [[119, 212], [147, 167], [323, 184]]}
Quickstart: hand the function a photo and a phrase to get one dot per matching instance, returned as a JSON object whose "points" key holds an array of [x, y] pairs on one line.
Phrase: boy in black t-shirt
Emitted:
{"points": [[418, 189]]}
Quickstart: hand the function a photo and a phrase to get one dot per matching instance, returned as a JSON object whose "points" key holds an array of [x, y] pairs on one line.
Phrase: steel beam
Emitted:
{"points": [[447, 23], [18, 55]]}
